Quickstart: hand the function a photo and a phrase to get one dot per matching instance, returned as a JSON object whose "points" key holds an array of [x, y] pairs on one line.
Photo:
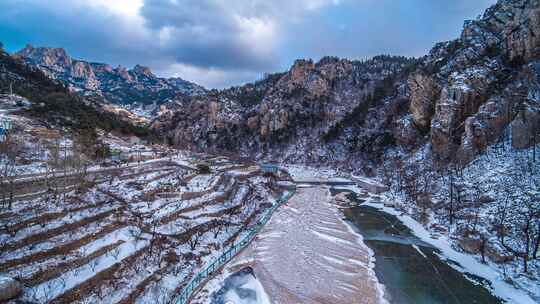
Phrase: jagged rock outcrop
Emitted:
{"points": [[522, 33], [36, 95], [483, 128], [479, 78], [525, 126], [135, 87], [334, 109], [424, 92], [459, 99], [292, 115]]}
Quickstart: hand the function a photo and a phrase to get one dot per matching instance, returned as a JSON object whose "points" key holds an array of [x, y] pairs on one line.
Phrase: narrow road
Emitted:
{"points": [[31, 186]]}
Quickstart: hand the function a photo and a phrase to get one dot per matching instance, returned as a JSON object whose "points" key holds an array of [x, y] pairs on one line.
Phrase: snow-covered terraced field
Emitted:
{"points": [[124, 240]]}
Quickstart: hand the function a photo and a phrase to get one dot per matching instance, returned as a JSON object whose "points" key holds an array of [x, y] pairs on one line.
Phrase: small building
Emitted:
{"points": [[269, 168], [119, 155]]}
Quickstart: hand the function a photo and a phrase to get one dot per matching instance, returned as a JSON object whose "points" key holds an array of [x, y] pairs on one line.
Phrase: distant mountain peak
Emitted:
{"points": [[137, 86], [139, 69]]}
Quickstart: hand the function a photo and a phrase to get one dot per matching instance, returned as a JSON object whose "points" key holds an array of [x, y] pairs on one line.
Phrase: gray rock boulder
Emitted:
{"points": [[526, 128], [424, 92], [9, 288]]}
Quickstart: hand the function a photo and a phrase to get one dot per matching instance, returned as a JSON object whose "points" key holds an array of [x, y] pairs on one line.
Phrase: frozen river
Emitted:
{"points": [[308, 254], [412, 270]]}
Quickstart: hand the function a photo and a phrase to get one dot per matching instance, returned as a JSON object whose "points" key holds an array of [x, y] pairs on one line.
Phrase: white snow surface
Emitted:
{"points": [[252, 284], [304, 173]]}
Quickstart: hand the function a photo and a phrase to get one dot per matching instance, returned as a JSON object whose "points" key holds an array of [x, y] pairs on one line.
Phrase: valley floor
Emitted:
{"points": [[308, 254]]}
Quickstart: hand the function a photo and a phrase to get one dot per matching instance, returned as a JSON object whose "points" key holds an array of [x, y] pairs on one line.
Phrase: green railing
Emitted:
{"points": [[187, 292], [5, 126]]}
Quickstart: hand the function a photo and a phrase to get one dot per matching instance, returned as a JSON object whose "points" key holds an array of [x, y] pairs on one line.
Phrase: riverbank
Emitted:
{"points": [[308, 254], [460, 261], [412, 271]]}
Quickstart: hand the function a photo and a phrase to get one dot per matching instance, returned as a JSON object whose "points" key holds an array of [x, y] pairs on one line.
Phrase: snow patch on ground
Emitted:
{"points": [[252, 284], [298, 172]]}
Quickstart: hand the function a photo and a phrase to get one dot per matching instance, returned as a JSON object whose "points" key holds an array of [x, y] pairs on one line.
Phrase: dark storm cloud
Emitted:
{"points": [[199, 35], [86, 33], [220, 43], [206, 33]]}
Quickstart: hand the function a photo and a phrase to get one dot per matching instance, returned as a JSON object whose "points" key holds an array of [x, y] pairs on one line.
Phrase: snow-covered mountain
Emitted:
{"points": [[423, 126], [459, 99], [136, 87]]}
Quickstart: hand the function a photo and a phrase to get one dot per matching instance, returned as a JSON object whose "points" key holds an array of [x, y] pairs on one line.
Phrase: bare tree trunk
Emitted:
{"points": [[451, 206], [483, 242], [536, 243], [527, 246]]}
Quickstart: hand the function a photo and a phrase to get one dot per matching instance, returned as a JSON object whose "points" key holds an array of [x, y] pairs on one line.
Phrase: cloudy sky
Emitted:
{"points": [[219, 43]]}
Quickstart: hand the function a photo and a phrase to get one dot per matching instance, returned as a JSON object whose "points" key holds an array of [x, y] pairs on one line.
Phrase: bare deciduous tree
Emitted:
{"points": [[195, 234], [10, 150]]}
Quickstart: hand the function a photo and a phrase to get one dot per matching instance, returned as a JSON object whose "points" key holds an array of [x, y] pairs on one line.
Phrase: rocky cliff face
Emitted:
{"points": [[458, 99], [295, 115], [483, 80], [135, 87]]}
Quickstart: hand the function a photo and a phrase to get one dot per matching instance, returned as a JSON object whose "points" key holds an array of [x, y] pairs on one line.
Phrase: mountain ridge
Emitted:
{"points": [[454, 99], [459, 98], [52, 103], [118, 85]]}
